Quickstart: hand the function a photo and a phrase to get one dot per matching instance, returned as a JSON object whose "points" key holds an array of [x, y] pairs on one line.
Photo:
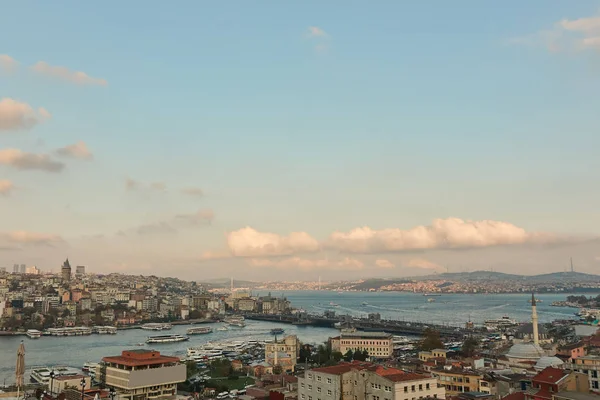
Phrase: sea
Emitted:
{"points": [[450, 309]]}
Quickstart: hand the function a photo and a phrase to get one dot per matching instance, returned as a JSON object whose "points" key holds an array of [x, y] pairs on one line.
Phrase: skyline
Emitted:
{"points": [[301, 139]]}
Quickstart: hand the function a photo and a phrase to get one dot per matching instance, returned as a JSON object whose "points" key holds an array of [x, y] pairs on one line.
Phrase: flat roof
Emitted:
{"points": [[370, 335]]}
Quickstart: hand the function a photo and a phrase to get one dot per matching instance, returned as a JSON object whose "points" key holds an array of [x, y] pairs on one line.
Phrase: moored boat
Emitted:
{"points": [[199, 330], [159, 339], [34, 333], [152, 326], [277, 331]]}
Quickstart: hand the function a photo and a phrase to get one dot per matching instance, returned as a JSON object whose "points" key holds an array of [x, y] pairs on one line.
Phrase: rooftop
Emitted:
{"points": [[69, 377], [576, 396], [139, 357], [370, 335], [550, 375]]}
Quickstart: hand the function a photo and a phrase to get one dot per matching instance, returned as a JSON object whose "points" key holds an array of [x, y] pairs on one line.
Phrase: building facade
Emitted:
{"points": [[589, 365], [142, 374], [65, 271], [365, 381], [377, 344], [457, 380]]}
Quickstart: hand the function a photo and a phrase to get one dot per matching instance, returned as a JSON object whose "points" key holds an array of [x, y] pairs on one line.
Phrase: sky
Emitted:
{"points": [[298, 140]]}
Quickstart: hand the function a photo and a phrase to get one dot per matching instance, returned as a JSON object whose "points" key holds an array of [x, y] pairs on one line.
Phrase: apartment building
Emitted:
{"points": [[552, 380], [366, 381], [457, 380], [142, 374], [589, 365], [377, 344]]}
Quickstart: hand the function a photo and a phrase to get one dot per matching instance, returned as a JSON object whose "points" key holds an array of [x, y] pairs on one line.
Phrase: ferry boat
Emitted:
{"points": [[104, 330], [71, 331], [42, 374], [89, 366], [199, 330], [277, 331], [156, 326], [159, 339], [364, 303], [432, 294], [431, 300], [504, 322], [34, 333], [332, 304]]}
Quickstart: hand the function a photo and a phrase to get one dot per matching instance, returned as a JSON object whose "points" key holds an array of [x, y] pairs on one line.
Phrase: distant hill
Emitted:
{"points": [[226, 283], [555, 277], [475, 275]]}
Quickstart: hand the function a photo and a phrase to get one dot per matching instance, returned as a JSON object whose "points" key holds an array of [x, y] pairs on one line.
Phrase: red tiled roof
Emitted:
{"points": [[406, 376], [136, 358], [515, 396], [550, 375], [69, 377], [342, 368]]}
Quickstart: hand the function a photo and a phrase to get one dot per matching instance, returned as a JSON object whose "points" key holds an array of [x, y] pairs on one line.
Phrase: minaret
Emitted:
{"points": [[534, 321]]}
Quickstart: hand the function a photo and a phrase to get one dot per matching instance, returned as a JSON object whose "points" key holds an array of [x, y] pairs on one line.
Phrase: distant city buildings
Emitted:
{"points": [[79, 271]]}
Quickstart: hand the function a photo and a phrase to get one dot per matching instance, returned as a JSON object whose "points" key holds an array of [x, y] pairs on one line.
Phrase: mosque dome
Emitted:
{"points": [[525, 351], [545, 362]]}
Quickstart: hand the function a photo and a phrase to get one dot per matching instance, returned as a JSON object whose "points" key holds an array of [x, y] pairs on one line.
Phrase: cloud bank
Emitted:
{"points": [[29, 161], [31, 238], [6, 187], [450, 233], [308, 264], [65, 74], [8, 64], [77, 150], [248, 242], [15, 115]]}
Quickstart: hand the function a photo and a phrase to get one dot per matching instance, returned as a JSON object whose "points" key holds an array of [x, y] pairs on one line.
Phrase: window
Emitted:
{"points": [[427, 386], [328, 380], [319, 378], [372, 386], [467, 379], [318, 390], [309, 397], [309, 376], [420, 388], [329, 393], [405, 389], [309, 387], [303, 396], [412, 388], [302, 385]]}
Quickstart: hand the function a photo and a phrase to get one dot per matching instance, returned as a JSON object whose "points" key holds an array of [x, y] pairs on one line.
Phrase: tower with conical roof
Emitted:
{"points": [[65, 271], [534, 320]]}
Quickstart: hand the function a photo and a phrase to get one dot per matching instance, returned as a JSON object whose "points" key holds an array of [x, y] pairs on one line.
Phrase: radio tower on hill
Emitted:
{"points": [[572, 268]]}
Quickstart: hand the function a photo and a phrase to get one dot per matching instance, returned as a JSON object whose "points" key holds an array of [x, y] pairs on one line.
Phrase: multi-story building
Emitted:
{"points": [[65, 271], [33, 270], [553, 380], [79, 271], [142, 374], [589, 365], [377, 344], [365, 381], [150, 304], [457, 380], [23, 269], [288, 349], [437, 353], [246, 304]]}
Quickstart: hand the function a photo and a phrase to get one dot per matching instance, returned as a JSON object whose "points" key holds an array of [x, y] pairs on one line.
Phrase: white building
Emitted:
{"points": [[377, 344]]}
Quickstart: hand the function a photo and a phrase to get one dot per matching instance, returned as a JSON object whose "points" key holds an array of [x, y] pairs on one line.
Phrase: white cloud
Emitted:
{"points": [[248, 242], [31, 238], [6, 187], [423, 264], [77, 77], [29, 161], [193, 191], [8, 64], [443, 233], [316, 32], [345, 264], [382, 263], [566, 36], [158, 186], [15, 115], [77, 150], [198, 218]]}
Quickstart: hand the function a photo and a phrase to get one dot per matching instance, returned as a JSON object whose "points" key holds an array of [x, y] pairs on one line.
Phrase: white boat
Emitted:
{"points": [[104, 330], [166, 339], [71, 331], [334, 304], [223, 328], [156, 326], [89, 366], [431, 300], [504, 322], [42, 374], [34, 333], [199, 330]]}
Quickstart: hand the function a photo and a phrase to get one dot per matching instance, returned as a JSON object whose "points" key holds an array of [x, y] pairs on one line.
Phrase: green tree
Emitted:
{"points": [[349, 356], [277, 369], [337, 356], [304, 354], [469, 347], [191, 369], [431, 340]]}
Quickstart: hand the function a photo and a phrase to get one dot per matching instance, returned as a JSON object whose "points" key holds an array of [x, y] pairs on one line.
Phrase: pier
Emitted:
{"points": [[373, 324]]}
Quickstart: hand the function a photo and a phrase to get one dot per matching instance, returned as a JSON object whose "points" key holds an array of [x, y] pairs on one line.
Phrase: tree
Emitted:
{"points": [[360, 355], [431, 340], [469, 347], [190, 369], [349, 356], [304, 354], [337, 356], [66, 313], [277, 369]]}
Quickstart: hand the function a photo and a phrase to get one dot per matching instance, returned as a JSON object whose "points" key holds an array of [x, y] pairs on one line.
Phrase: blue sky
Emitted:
{"points": [[387, 115]]}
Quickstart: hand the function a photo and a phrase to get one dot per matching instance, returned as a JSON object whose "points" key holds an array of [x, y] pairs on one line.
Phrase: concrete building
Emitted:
{"points": [[15, 268], [143, 374], [457, 380], [553, 380], [366, 381], [377, 344], [589, 365], [65, 271], [33, 270], [62, 382], [23, 269], [283, 353], [79, 271]]}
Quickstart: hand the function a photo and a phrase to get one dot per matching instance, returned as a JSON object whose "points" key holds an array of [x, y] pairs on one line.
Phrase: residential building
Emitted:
{"points": [[246, 304], [62, 382], [377, 344], [571, 351], [33, 270], [437, 353], [143, 374], [553, 380], [366, 381], [79, 271], [457, 380], [589, 365]]}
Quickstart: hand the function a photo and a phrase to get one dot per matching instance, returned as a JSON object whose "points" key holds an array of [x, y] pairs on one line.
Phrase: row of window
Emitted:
{"points": [[355, 342], [319, 379], [318, 389], [413, 388]]}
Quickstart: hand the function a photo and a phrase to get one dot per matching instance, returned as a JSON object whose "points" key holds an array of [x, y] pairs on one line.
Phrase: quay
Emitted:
{"points": [[373, 323]]}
